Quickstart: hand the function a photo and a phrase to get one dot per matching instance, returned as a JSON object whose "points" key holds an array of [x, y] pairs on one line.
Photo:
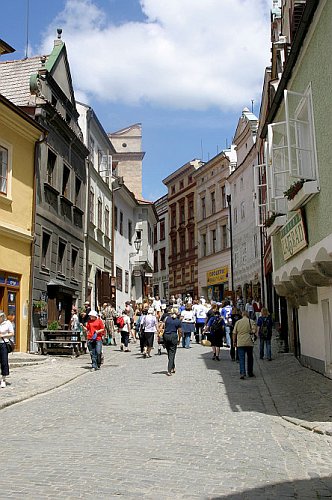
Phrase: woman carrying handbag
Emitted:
{"points": [[6, 346]]}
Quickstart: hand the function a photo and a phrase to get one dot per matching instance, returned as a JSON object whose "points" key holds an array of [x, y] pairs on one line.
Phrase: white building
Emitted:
{"points": [[214, 270], [160, 246], [98, 251], [246, 255]]}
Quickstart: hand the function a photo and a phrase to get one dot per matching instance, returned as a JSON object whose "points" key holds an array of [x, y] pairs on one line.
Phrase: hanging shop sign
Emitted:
{"points": [[293, 236], [216, 276]]}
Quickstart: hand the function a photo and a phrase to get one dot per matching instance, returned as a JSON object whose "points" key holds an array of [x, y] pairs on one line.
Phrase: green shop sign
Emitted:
{"points": [[293, 236]]}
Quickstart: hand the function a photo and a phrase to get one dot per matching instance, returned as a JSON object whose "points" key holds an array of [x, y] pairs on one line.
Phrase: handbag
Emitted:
{"points": [[10, 346], [206, 343], [252, 334]]}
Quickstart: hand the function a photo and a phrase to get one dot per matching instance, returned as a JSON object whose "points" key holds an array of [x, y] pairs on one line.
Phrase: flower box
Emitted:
{"points": [[308, 190], [277, 224]]}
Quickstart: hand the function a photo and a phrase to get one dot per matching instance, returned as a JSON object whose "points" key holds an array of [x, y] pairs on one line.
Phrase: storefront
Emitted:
{"points": [[10, 297], [217, 283]]}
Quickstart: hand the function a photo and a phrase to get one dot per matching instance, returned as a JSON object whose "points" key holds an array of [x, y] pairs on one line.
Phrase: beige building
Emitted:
{"points": [[214, 255]]}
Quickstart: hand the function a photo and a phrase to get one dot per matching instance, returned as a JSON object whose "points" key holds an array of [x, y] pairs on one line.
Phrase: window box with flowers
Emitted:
{"points": [[274, 223], [299, 193]]}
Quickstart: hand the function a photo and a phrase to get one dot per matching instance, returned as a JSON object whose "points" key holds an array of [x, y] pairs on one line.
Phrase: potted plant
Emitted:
{"points": [[293, 189], [270, 220], [54, 325], [39, 306]]}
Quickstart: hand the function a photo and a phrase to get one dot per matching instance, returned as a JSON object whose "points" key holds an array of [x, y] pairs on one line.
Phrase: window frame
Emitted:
{"points": [[9, 168]]}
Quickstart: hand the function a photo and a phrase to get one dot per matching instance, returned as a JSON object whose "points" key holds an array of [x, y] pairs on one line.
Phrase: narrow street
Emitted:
{"points": [[129, 431]]}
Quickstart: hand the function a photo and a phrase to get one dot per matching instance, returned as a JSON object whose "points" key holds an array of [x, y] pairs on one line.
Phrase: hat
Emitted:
{"points": [[86, 303], [93, 313]]}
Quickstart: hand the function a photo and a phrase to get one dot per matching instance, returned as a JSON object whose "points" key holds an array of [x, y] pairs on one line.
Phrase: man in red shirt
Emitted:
{"points": [[95, 332]]}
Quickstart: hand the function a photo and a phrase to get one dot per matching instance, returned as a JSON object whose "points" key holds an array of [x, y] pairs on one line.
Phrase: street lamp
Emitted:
{"points": [[137, 244]]}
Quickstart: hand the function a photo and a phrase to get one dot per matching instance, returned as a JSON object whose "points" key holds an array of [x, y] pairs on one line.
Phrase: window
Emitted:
{"points": [[192, 274], [223, 197], [3, 170], [149, 234], [214, 240], [51, 162], [92, 206], [46, 251], [139, 234], [173, 216], [118, 274], [121, 223], [191, 242], [255, 246], [78, 185], [213, 202], [74, 263], [65, 181], [261, 201], [244, 253], [107, 222], [162, 259], [183, 275], [174, 247], [126, 281], [181, 184], [162, 229], [172, 189], [61, 257], [91, 148], [203, 241], [241, 184], [234, 190], [174, 279], [155, 234], [130, 232], [182, 243], [190, 179], [155, 261], [224, 237], [115, 217], [182, 213], [203, 207], [235, 215], [243, 212], [191, 213], [100, 214]]}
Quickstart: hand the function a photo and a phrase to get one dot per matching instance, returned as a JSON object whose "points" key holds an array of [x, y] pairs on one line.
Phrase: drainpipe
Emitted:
{"points": [[33, 243], [87, 214]]}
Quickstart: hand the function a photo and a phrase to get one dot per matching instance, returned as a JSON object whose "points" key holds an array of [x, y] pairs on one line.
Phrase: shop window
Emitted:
{"points": [[74, 263], [61, 267], [46, 251]]}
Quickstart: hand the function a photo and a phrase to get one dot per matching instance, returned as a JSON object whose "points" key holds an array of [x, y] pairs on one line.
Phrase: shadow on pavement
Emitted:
{"points": [[281, 387], [318, 488]]}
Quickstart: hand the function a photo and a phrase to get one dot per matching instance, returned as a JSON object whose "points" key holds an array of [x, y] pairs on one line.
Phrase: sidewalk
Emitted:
{"points": [[289, 390]]}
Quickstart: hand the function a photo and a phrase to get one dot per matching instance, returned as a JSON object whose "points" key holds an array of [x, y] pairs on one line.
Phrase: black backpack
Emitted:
{"points": [[265, 328], [218, 325]]}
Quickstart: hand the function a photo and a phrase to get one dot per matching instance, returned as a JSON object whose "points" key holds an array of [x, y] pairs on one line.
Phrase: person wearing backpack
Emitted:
{"points": [[124, 325], [216, 331], [264, 329]]}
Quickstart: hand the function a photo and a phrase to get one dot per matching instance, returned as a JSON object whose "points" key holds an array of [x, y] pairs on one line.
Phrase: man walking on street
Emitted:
{"points": [[243, 333]]}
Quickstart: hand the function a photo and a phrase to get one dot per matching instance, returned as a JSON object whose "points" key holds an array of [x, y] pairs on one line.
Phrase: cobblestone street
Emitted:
{"points": [[129, 431]]}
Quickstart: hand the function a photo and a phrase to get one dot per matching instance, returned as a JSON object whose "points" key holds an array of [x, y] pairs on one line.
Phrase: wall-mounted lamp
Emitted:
{"points": [[137, 244]]}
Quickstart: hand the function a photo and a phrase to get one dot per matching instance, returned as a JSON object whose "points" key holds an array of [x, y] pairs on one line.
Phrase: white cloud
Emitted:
{"points": [[188, 54]]}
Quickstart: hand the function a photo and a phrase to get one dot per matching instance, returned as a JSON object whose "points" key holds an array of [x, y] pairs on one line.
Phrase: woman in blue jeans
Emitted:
{"points": [[264, 330], [172, 335]]}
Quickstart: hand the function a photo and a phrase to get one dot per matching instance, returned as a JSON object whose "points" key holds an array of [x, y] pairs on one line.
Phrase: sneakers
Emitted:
{"points": [[3, 384]]}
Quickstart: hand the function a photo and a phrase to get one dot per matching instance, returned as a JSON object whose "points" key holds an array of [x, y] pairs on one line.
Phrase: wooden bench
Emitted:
{"points": [[62, 341]]}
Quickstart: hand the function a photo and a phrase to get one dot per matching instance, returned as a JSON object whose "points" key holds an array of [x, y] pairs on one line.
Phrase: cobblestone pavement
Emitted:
{"points": [[129, 431]]}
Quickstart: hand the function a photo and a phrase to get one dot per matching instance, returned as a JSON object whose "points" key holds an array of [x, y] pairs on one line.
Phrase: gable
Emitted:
{"points": [[58, 67]]}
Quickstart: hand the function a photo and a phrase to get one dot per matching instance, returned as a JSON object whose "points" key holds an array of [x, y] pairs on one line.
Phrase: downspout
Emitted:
{"points": [[33, 244], [86, 220]]}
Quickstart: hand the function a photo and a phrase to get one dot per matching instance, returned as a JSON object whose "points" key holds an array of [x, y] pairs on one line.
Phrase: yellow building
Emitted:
{"points": [[18, 136]]}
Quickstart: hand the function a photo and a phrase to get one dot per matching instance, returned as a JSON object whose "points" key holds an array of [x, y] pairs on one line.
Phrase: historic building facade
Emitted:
{"points": [[182, 237], [160, 250], [214, 269]]}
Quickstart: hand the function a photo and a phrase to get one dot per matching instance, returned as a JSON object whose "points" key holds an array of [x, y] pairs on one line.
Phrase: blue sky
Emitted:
{"points": [[185, 69]]}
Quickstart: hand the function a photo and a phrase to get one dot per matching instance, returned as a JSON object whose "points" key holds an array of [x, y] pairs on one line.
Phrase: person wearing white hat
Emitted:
{"points": [[95, 332], [6, 333]]}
